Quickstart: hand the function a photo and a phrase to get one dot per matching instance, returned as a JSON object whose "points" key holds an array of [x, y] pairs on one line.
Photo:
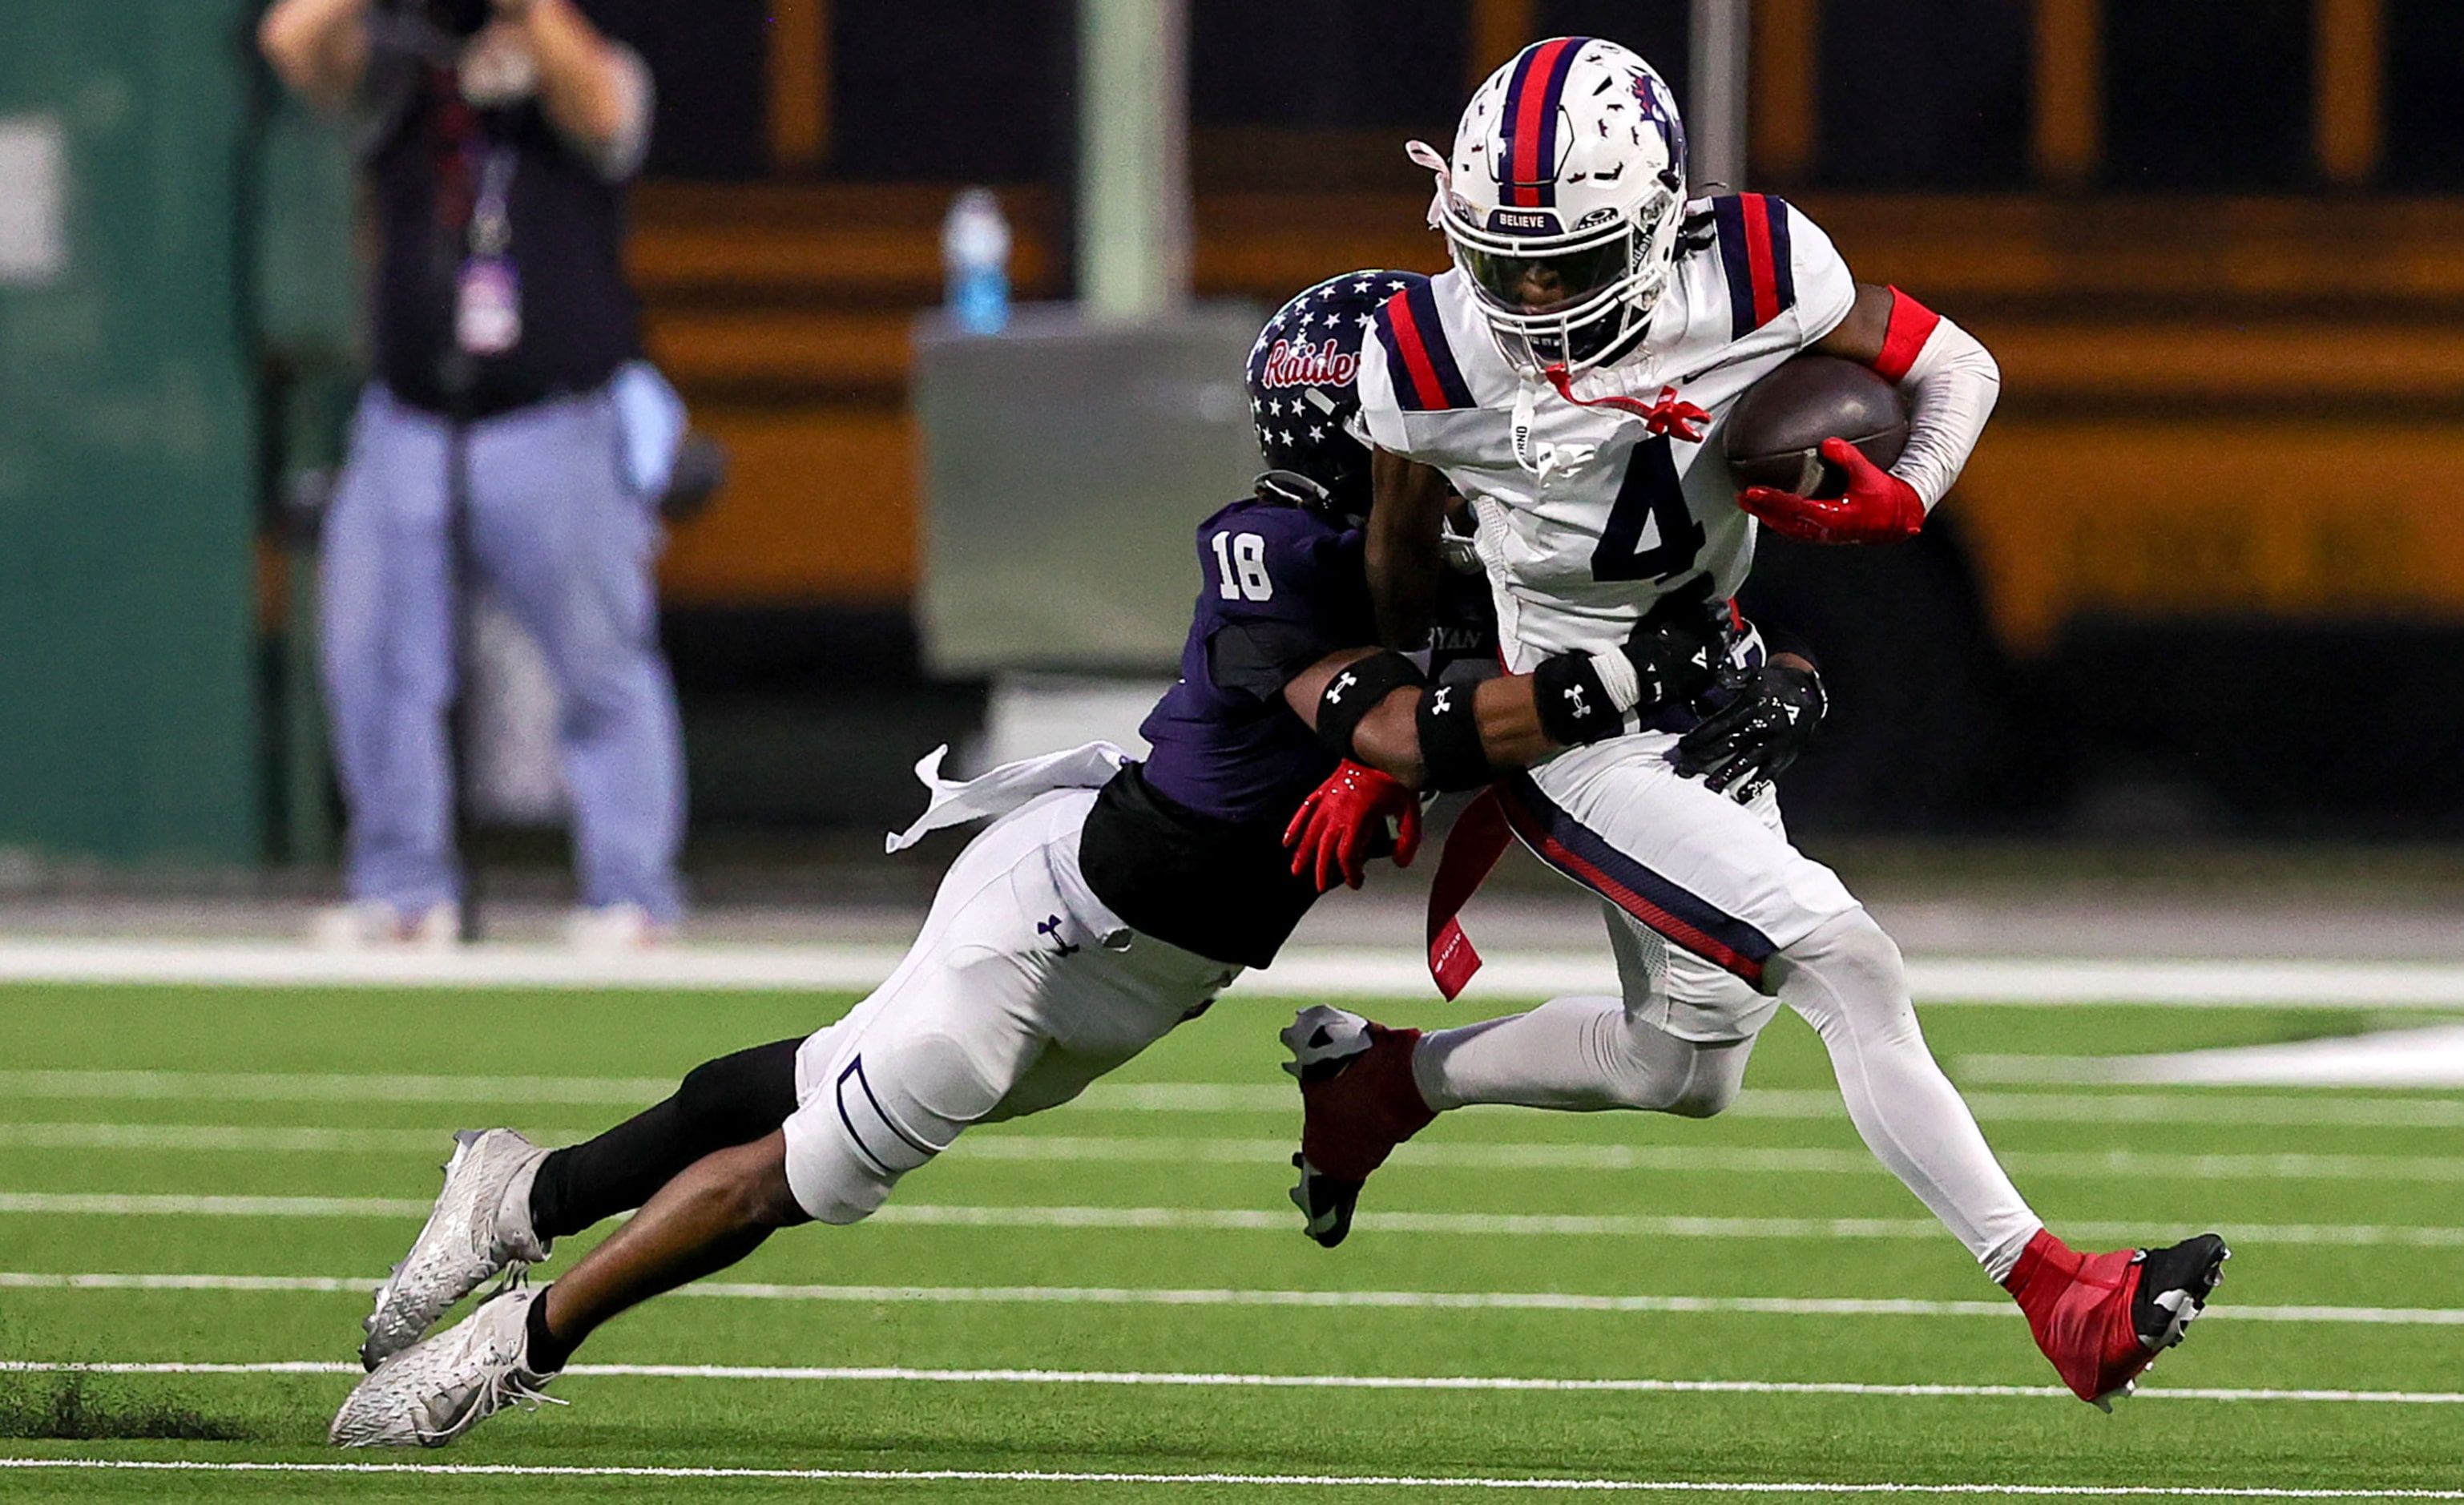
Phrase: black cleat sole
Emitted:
{"points": [[1326, 1202], [2174, 1284]]}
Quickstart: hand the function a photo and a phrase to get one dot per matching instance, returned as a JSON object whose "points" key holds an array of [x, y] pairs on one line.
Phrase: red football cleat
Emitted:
{"points": [[2103, 1319], [1358, 1101]]}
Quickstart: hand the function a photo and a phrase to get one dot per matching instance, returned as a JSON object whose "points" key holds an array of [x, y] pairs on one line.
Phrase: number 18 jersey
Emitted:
{"points": [[1188, 846], [1586, 518]]}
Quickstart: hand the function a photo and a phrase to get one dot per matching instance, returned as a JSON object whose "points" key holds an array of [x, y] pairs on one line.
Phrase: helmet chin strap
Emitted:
{"points": [[1295, 489]]}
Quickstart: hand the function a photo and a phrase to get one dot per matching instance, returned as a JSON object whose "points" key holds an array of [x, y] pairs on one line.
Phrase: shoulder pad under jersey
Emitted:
{"points": [[1774, 263]]}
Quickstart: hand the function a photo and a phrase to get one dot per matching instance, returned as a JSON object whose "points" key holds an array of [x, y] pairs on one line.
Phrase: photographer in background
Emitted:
{"points": [[512, 436]]}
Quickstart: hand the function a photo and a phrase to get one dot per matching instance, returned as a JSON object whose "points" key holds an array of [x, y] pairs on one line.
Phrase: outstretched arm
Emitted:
{"points": [[1398, 734], [1375, 707], [1406, 516], [1388, 738], [1372, 795]]}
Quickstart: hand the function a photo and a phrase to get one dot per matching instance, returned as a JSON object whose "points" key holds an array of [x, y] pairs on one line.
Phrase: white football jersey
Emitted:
{"points": [[1586, 518]]}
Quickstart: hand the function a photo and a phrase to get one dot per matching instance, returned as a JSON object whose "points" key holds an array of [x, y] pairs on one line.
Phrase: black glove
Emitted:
{"points": [[1674, 661], [1753, 739]]}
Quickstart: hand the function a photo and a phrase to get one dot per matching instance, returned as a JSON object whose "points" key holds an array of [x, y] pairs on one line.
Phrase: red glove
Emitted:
{"points": [[1879, 507], [1333, 829]]}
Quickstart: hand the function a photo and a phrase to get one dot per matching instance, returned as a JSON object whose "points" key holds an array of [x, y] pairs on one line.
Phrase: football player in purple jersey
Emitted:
{"points": [[1110, 900]]}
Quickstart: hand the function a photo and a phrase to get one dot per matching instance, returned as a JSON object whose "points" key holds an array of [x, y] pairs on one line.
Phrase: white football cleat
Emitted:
{"points": [[480, 1228], [428, 1395], [371, 924]]}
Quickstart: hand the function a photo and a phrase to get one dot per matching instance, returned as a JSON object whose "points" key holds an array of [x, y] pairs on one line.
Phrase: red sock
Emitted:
{"points": [[2079, 1307], [1392, 1107]]}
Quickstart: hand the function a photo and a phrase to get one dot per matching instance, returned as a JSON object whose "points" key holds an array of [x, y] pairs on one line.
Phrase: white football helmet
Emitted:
{"points": [[1563, 200]]}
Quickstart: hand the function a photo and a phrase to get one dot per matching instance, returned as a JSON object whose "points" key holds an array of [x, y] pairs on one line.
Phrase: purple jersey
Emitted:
{"points": [[1280, 588], [1188, 847]]}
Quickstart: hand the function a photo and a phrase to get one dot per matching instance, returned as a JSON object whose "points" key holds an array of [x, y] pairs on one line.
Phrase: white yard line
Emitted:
{"points": [[238, 1138], [2291, 1110], [1303, 972], [2213, 983], [2300, 1109], [1191, 1097], [120, 1204], [1612, 1225], [1232, 1380], [837, 968], [1254, 1220], [332, 1087], [2424, 1057], [38, 1280], [1383, 1300], [1064, 1149], [1388, 1481], [1721, 1160]]}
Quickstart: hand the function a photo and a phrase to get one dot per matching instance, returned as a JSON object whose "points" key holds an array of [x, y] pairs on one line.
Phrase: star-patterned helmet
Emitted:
{"points": [[1303, 399], [1563, 199]]}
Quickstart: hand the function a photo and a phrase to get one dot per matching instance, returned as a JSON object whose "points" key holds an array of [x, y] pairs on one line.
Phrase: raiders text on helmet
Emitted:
{"points": [[1304, 398], [1563, 199]]}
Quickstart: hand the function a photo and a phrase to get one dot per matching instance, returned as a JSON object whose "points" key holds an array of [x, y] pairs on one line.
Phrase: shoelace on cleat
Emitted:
{"points": [[502, 1390], [508, 1387]]}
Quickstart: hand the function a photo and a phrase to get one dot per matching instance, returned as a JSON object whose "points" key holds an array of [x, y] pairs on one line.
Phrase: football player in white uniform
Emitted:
{"points": [[1569, 377]]}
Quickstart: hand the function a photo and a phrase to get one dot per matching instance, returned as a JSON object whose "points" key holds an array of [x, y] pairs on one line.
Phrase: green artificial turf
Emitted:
{"points": [[601, 1052]]}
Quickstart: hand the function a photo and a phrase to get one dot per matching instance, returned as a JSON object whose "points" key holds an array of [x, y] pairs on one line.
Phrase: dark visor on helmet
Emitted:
{"points": [[1545, 285]]}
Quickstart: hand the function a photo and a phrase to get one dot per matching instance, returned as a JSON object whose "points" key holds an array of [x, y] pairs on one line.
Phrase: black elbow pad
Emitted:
{"points": [[1573, 701], [1354, 690], [1451, 754]]}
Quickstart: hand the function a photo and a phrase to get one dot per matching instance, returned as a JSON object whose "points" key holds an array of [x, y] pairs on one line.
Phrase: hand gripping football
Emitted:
{"points": [[1774, 437]]}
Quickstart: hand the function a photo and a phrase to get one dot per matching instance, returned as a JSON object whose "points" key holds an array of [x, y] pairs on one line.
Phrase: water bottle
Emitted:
{"points": [[975, 261]]}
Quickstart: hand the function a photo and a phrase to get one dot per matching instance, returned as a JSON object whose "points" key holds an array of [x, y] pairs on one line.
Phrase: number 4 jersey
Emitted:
{"points": [[1586, 516]]}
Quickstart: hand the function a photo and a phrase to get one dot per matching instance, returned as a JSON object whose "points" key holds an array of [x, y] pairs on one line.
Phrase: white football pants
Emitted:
{"points": [[1716, 919], [1021, 989]]}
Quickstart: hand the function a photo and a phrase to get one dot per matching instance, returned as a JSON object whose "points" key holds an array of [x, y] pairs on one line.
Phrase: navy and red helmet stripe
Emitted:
{"points": [[1753, 251], [1527, 163], [1585, 857], [1418, 361]]}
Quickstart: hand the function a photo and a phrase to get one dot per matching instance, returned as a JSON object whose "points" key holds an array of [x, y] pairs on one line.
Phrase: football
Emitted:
{"points": [[1774, 438]]}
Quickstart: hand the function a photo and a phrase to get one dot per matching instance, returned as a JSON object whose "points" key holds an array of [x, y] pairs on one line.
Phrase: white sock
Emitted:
{"points": [[1580, 1054], [1847, 979]]}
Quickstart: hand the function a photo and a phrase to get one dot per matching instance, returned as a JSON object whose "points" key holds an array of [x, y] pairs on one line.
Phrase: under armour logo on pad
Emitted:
{"points": [[1574, 698], [1342, 682], [1052, 928], [1438, 702]]}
